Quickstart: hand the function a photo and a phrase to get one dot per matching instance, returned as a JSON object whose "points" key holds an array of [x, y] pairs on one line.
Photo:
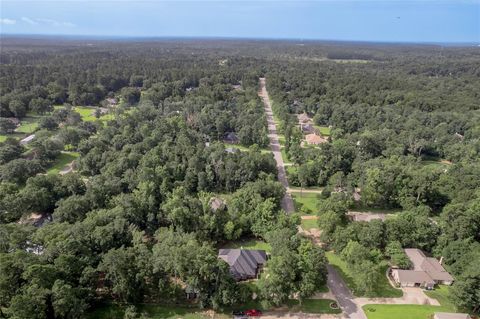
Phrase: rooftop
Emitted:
{"points": [[429, 265], [448, 315], [243, 263]]}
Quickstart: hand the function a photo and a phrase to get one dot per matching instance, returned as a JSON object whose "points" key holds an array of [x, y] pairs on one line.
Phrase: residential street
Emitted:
{"points": [[335, 282], [287, 202]]}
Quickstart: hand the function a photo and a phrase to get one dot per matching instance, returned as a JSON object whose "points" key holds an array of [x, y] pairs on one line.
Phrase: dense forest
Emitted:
{"points": [[134, 222]]}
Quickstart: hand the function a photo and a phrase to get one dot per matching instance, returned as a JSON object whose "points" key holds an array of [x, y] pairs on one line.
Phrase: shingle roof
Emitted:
{"points": [[414, 276], [429, 265], [243, 263]]}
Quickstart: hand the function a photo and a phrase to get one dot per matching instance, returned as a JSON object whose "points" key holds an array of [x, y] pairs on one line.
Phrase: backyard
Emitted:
{"points": [[248, 243], [62, 160]]}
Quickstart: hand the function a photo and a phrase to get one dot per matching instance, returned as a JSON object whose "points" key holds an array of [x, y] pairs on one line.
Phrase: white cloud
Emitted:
{"points": [[29, 21], [7, 21], [50, 22]]}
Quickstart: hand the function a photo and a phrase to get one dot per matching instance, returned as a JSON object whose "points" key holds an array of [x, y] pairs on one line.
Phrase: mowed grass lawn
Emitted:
{"points": [[382, 289], [28, 124], [306, 202], [324, 130], [314, 306], [308, 224], [62, 160], [249, 243], [88, 114], [114, 311], [401, 311]]}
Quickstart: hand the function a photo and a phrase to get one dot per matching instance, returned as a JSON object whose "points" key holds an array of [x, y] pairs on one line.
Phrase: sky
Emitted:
{"points": [[440, 21]]}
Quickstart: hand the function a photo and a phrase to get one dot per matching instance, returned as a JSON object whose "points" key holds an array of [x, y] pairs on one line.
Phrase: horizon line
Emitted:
{"points": [[153, 37]]}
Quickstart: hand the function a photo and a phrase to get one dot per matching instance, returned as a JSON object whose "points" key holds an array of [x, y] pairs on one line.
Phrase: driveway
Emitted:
{"points": [[287, 201], [350, 307], [411, 296]]}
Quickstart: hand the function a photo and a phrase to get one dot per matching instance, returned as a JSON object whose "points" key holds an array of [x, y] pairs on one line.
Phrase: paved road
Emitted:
{"points": [[343, 295], [287, 202]]}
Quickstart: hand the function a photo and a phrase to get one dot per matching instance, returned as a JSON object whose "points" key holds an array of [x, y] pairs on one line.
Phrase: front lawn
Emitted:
{"points": [[402, 311], [249, 243], [62, 160], [306, 202], [318, 306], [113, 311], [442, 294], [383, 289]]}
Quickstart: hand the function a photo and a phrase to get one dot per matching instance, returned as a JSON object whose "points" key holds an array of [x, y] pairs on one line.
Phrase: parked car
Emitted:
{"points": [[253, 313]]}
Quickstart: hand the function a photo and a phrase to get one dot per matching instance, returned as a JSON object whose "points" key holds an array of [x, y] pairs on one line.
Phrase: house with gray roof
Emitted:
{"points": [[244, 264], [426, 272]]}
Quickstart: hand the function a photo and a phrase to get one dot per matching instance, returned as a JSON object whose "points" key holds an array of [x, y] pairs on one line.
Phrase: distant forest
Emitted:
{"points": [[158, 130]]}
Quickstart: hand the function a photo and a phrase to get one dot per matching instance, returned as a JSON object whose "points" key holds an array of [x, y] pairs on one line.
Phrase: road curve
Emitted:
{"points": [[287, 202]]}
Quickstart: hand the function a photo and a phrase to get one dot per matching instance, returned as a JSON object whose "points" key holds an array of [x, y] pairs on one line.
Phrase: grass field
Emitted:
{"points": [[28, 125], [308, 224], [382, 289], [324, 130], [307, 202], [62, 160], [250, 243]]}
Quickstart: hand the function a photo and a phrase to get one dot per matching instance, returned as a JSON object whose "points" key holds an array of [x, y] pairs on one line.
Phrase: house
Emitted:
{"points": [[304, 118], [448, 315], [36, 219], [307, 128], [244, 264], [314, 139], [426, 272], [231, 138], [111, 101], [216, 203]]}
